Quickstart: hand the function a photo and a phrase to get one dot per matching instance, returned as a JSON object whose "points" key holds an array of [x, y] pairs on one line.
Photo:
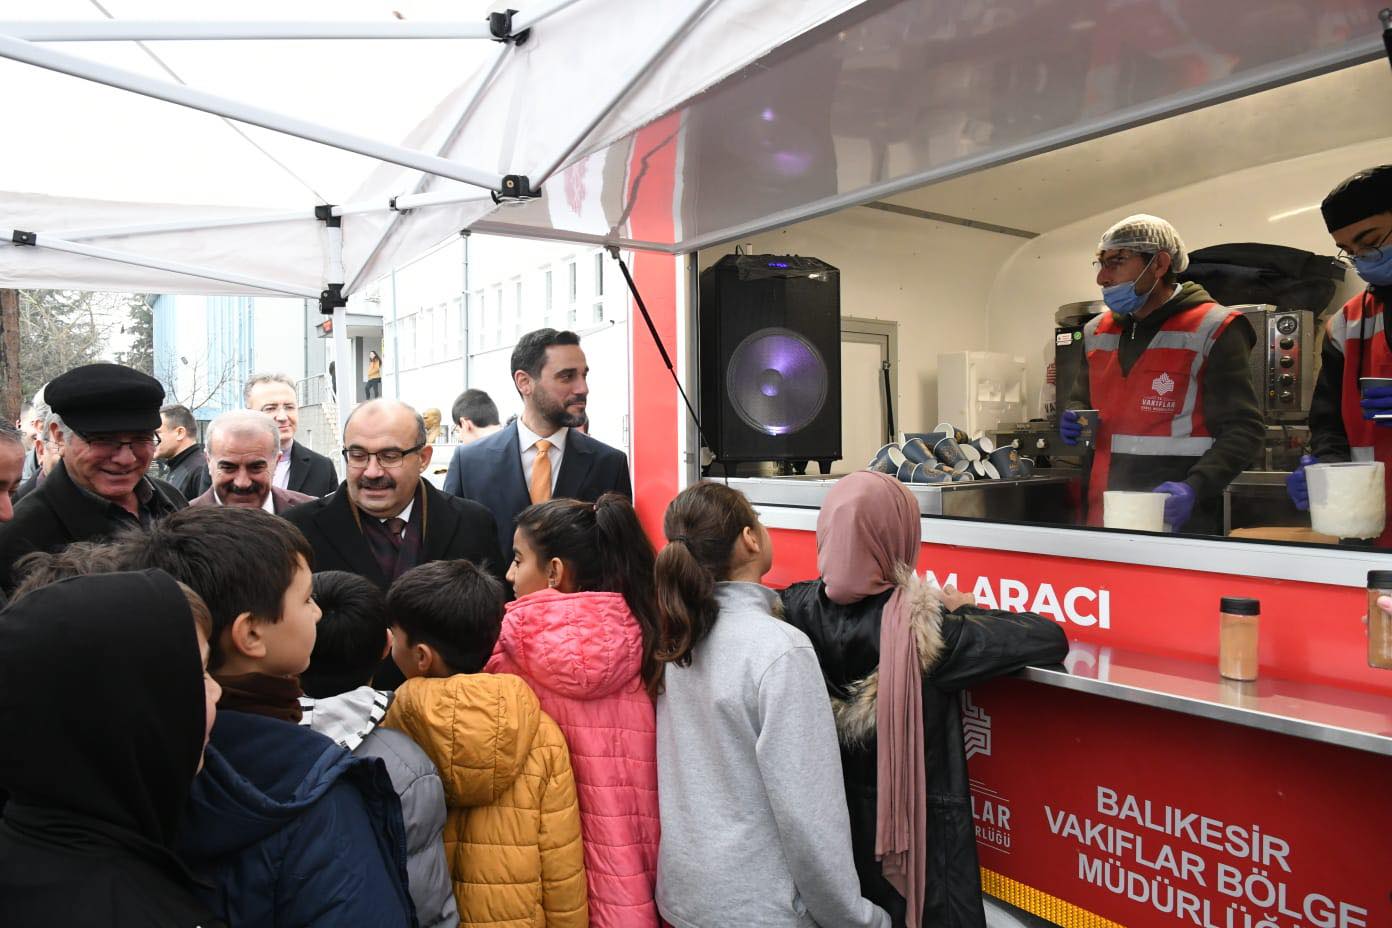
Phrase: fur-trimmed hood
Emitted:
{"points": [[855, 715]]}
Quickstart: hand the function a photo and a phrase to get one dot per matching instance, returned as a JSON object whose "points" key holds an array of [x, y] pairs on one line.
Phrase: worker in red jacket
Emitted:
{"points": [[1346, 423], [1167, 370]]}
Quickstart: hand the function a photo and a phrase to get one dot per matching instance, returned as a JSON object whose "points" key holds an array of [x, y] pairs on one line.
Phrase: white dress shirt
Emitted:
{"points": [[526, 441], [281, 477]]}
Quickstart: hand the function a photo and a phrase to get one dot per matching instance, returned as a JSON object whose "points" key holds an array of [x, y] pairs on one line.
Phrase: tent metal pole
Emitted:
{"points": [[634, 78], [158, 264], [526, 19], [182, 225], [424, 181], [408, 202], [347, 368], [160, 30], [19, 50]]}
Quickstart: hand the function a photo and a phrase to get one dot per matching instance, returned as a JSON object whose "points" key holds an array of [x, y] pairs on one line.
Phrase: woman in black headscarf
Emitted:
{"points": [[104, 713]]}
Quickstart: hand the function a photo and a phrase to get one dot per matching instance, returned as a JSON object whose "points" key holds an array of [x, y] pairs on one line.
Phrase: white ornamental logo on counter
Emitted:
{"points": [[976, 728], [1162, 384]]}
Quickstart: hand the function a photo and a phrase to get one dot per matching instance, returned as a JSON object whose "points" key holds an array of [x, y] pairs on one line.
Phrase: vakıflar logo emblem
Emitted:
{"points": [[976, 728], [1162, 384]]}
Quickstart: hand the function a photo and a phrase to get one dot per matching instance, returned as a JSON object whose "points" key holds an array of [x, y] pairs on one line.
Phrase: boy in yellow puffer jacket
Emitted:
{"points": [[512, 837]]}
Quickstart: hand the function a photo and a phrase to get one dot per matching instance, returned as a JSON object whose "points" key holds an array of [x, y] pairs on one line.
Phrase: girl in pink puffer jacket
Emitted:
{"points": [[582, 633]]}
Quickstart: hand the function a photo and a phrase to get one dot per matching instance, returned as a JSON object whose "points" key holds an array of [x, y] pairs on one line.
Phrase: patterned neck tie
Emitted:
{"points": [[396, 528], [541, 472]]}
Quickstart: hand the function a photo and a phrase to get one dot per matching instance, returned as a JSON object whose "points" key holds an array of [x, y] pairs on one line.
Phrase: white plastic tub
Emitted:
{"points": [[1347, 500]]}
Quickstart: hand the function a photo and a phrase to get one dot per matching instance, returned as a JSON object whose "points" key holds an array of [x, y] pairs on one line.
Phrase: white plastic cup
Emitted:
{"points": [[1347, 500], [1134, 511]]}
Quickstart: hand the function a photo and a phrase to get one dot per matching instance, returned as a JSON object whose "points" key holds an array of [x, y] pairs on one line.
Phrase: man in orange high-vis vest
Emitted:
{"points": [[1347, 424], [1167, 369]]}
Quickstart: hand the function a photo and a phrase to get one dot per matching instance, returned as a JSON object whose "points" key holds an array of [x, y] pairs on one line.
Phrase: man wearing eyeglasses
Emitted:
{"points": [[384, 519], [1350, 421], [105, 417], [1167, 370]]}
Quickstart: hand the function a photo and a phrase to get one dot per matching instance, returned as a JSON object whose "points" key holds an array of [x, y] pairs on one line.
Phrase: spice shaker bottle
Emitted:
{"points": [[1379, 621], [1237, 637]]}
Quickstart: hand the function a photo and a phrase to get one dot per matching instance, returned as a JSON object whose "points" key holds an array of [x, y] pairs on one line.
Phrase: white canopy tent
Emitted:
{"points": [[783, 109]]}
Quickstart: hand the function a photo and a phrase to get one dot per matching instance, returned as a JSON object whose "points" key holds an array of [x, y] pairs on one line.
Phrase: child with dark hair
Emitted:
{"points": [[583, 632], [285, 826], [340, 702], [100, 773], [754, 823], [513, 832]]}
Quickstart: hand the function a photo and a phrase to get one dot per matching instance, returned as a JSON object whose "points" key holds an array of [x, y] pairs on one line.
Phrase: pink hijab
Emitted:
{"points": [[867, 530]]}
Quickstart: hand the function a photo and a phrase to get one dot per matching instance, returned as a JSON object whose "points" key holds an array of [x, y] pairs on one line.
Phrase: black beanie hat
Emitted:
{"points": [[1365, 194]]}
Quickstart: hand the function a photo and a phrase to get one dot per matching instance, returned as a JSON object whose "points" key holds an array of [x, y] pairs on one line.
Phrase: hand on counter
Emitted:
{"points": [[1180, 504], [1297, 488], [1070, 430], [953, 598], [1377, 401]]}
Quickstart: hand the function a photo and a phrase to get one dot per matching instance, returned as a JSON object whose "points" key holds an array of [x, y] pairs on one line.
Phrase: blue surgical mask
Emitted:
{"points": [[1376, 269], [1123, 299]]}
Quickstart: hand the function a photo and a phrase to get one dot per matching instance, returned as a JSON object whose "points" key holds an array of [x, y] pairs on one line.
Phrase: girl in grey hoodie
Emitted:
{"points": [[754, 823]]}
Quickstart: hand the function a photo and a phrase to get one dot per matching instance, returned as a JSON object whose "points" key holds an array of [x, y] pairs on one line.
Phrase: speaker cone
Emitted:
{"points": [[776, 381]]}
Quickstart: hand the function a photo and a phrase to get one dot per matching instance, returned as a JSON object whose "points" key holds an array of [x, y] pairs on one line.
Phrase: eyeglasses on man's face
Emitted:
{"points": [[1374, 252], [387, 457], [110, 444]]}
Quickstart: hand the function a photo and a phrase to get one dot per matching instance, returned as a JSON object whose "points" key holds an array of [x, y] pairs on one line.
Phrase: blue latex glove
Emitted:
{"points": [[1179, 506], [1377, 401], [1069, 429], [1297, 488]]}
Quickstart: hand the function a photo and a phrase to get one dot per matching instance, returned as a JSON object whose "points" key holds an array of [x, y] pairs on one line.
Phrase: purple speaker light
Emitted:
{"points": [[776, 381]]}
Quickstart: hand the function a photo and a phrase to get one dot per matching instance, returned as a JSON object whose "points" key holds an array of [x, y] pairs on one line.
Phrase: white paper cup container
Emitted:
{"points": [[1132, 511], [972, 452], [1347, 500]]}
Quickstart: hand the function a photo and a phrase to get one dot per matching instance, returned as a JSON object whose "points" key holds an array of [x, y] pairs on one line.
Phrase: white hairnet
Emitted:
{"points": [[1150, 234]]}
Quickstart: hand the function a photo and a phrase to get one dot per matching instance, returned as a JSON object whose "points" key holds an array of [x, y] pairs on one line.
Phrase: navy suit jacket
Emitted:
{"points": [[489, 471]]}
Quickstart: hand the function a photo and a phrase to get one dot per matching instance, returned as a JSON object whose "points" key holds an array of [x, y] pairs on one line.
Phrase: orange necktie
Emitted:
{"points": [[541, 472]]}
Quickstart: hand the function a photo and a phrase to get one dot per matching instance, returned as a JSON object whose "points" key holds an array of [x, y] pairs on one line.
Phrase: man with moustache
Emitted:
{"points": [[105, 416], [242, 449], [544, 454], [384, 519]]}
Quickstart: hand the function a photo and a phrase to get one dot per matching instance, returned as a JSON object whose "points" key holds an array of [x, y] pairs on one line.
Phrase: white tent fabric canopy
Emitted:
{"points": [[127, 192]]}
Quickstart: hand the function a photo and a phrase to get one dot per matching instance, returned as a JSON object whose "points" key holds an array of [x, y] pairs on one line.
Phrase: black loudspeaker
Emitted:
{"points": [[771, 358]]}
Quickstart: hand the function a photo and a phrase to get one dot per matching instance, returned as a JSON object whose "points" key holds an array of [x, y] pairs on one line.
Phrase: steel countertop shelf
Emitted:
{"points": [[1329, 714]]}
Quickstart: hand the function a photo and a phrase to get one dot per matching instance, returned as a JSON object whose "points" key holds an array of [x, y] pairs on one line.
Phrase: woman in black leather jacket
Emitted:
{"points": [[958, 646]]}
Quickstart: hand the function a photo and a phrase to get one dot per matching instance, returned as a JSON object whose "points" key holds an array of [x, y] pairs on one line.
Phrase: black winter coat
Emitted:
{"points": [[188, 472], [957, 650]]}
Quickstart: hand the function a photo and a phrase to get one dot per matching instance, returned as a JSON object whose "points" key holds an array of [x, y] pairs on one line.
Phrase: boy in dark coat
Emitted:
{"points": [[289, 828]]}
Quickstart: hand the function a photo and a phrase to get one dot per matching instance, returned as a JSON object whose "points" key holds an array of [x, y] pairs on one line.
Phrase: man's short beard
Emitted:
{"points": [[557, 416]]}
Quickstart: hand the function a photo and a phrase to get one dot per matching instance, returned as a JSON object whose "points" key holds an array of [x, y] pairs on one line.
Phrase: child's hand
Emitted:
{"points": [[953, 598]]}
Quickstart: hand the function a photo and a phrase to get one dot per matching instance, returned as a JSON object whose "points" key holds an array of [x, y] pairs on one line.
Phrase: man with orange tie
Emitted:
{"points": [[543, 454]]}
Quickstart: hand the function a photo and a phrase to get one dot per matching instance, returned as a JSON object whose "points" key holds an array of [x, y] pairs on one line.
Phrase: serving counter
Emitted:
{"points": [[1133, 785]]}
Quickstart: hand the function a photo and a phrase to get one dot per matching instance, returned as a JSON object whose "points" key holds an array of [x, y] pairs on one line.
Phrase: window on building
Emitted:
{"points": [[408, 342], [599, 273], [517, 308], [497, 315], [599, 311], [452, 320], [442, 345], [546, 296], [425, 350], [572, 275], [475, 320]]}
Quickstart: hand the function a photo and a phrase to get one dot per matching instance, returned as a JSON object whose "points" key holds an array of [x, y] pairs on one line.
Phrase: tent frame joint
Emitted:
{"points": [[324, 212], [332, 298], [500, 26], [516, 188], [25, 238]]}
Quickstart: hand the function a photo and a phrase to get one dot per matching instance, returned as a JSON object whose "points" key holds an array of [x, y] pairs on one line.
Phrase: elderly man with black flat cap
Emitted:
{"points": [[1350, 421], [105, 417]]}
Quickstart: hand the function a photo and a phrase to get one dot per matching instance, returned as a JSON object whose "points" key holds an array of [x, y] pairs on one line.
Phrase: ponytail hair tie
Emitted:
{"points": [[682, 538]]}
